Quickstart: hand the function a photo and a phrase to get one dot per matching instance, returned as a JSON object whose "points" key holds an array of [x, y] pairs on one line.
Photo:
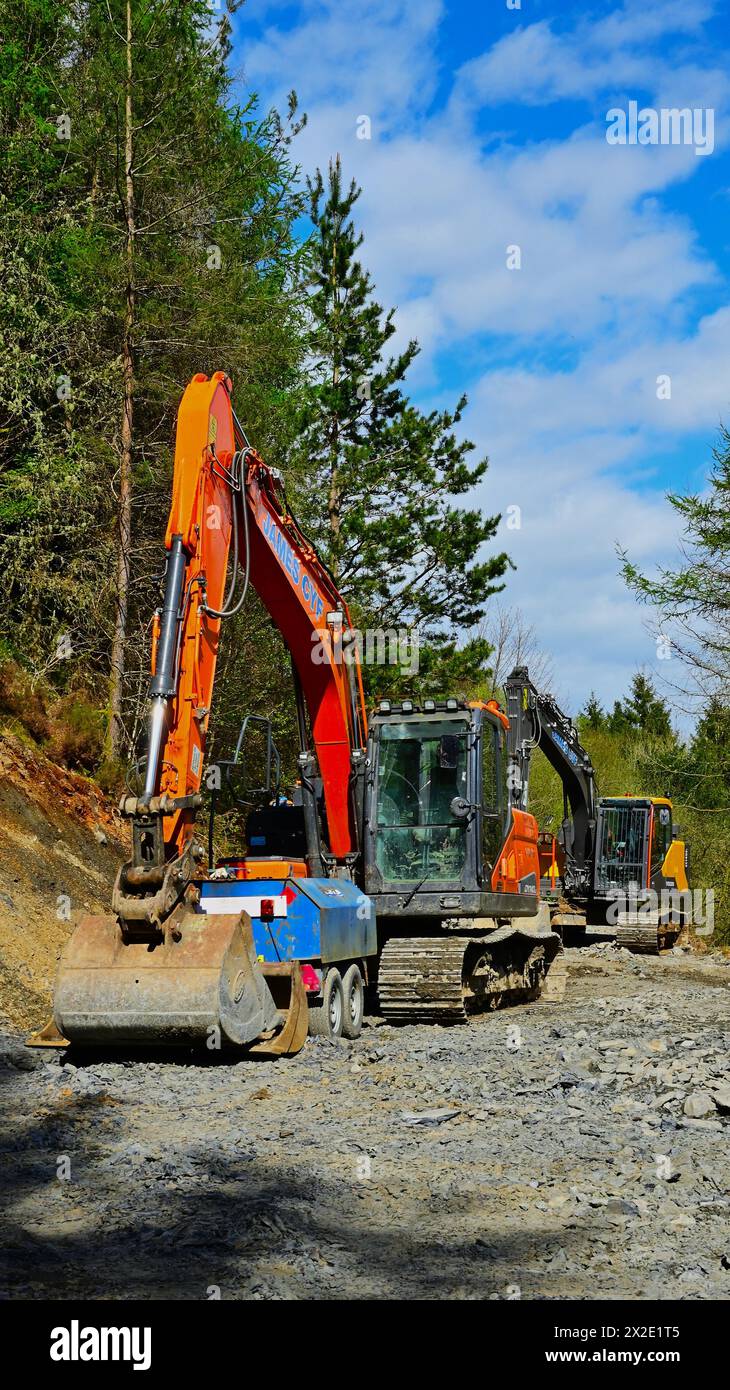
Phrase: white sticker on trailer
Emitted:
{"points": [[241, 903]]}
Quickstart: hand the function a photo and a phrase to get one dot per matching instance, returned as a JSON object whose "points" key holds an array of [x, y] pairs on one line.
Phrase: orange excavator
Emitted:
{"points": [[397, 863]]}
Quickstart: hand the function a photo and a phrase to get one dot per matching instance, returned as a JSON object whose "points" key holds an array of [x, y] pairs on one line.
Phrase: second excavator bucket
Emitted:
{"points": [[202, 985]]}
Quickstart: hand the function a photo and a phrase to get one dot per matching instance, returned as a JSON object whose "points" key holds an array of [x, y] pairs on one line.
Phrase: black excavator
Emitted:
{"points": [[617, 865]]}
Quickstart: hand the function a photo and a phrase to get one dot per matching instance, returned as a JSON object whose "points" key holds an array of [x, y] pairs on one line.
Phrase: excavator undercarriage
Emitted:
{"points": [[451, 977]]}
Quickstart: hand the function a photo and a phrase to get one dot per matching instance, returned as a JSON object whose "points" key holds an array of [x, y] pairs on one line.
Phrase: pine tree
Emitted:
{"points": [[617, 720], [382, 475], [51, 498], [700, 771], [644, 710], [196, 196], [166, 223], [692, 601], [593, 716], [708, 762]]}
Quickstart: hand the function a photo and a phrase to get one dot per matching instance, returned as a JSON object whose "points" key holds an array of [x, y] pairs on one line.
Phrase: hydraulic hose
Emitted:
{"points": [[238, 490]]}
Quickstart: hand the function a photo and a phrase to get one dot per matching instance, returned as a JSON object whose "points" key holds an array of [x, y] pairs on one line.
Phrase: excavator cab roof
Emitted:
{"points": [[637, 799], [425, 709]]}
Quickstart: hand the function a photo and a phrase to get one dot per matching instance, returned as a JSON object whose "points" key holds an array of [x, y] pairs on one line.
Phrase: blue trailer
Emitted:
{"points": [[326, 924]]}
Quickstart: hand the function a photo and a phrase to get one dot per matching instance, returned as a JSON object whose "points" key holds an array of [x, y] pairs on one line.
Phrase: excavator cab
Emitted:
{"points": [[439, 832], [450, 866], [638, 851], [640, 873], [422, 771]]}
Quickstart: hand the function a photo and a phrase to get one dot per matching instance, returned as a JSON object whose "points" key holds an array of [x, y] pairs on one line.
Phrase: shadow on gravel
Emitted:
{"points": [[174, 1056], [276, 1237], [239, 1222]]}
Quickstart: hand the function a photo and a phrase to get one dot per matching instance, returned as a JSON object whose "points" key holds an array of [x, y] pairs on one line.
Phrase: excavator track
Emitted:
{"points": [[421, 979], [447, 979], [646, 938]]}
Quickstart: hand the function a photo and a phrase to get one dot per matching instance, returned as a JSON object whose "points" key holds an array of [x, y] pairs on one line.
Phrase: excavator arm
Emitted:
{"points": [[159, 969], [225, 497], [536, 721]]}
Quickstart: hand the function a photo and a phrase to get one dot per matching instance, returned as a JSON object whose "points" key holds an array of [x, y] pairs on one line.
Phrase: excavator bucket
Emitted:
{"points": [[285, 983], [202, 985]]}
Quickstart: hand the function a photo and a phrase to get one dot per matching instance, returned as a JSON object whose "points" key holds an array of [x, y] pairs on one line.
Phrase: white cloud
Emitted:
{"points": [[536, 65], [617, 395], [596, 249], [374, 59], [567, 581], [570, 450], [608, 283]]}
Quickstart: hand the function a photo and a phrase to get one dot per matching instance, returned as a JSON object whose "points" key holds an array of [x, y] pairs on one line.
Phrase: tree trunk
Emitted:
{"points": [[333, 514], [124, 509], [333, 497]]}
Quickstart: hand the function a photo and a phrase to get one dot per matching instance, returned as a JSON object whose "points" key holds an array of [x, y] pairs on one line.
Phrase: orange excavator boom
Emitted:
{"points": [[158, 969]]}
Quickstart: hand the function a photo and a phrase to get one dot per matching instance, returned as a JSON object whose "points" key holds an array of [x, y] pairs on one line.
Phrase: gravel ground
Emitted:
{"points": [[552, 1151]]}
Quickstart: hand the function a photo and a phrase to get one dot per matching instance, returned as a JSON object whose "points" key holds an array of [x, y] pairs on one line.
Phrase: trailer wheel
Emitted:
{"points": [[326, 1019], [353, 988]]}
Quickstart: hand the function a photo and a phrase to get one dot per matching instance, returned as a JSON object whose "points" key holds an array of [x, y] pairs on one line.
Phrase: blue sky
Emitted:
{"points": [[488, 129]]}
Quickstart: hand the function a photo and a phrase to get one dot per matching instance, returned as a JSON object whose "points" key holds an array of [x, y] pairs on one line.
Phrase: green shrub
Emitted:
{"points": [[26, 703], [77, 733], [112, 776]]}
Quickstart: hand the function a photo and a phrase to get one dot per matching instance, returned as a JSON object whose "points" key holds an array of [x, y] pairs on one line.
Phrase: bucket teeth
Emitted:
{"points": [[47, 1036]]}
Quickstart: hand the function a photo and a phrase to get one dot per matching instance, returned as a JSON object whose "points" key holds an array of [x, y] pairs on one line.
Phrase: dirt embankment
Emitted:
{"points": [[61, 843]]}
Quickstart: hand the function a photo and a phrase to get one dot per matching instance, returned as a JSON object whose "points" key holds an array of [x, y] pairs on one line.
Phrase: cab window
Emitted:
{"points": [[662, 837], [493, 765]]}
